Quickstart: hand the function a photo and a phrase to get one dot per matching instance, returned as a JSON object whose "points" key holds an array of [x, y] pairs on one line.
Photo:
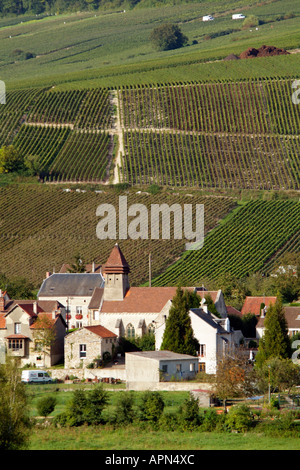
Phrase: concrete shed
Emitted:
{"points": [[145, 369]]}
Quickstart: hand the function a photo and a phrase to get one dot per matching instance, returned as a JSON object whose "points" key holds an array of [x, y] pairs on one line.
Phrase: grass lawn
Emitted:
{"points": [[106, 438]]}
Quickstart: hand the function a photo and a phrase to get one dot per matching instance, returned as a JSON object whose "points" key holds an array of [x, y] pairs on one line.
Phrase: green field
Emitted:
{"points": [[84, 50]]}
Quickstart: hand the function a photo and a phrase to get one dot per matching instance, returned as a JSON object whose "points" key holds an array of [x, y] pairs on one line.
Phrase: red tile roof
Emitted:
{"points": [[101, 331], [140, 300], [252, 304], [116, 262]]}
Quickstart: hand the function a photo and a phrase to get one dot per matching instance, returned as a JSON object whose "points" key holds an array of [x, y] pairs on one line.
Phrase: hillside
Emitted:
{"points": [[98, 108], [82, 49]]}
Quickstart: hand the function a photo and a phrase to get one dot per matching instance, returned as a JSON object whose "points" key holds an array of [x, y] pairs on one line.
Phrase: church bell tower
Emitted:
{"points": [[116, 272]]}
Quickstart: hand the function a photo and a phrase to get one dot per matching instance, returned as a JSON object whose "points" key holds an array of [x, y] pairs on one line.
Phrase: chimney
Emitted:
{"points": [[54, 312], [2, 301], [35, 307], [48, 274], [93, 267]]}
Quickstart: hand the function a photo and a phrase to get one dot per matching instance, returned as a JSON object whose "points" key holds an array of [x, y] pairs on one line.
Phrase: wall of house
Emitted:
{"points": [[110, 320], [95, 347], [71, 303]]}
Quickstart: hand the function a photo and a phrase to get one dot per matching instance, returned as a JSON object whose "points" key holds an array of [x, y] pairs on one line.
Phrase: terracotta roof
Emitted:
{"points": [[116, 262], [204, 293], [233, 311], [141, 300], [88, 268], [101, 331], [252, 304]]}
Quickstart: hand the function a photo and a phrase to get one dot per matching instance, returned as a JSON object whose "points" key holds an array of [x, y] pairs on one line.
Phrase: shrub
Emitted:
{"points": [[151, 407], [46, 405], [189, 413], [210, 420], [239, 418], [124, 413]]}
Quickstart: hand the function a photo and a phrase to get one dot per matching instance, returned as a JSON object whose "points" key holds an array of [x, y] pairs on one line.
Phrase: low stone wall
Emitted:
{"points": [[168, 386], [82, 374]]}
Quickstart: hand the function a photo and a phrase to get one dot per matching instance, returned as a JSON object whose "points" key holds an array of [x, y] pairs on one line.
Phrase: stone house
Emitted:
{"points": [[32, 331], [255, 305], [145, 369], [85, 345]]}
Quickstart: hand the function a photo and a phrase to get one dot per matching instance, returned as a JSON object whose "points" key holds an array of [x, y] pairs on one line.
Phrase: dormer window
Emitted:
{"points": [[17, 328]]}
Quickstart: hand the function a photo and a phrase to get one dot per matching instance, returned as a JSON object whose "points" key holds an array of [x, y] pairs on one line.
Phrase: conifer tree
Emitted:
{"points": [[275, 341], [179, 336]]}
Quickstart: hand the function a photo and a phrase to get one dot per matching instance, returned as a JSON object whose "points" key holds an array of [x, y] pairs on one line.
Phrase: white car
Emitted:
{"points": [[238, 16], [208, 18], [36, 376]]}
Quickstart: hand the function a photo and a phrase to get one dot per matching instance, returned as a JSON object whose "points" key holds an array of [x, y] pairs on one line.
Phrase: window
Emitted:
{"points": [[78, 324], [201, 367], [151, 328], [15, 344], [202, 350], [178, 367], [82, 350], [192, 367], [95, 314], [17, 328], [165, 368], [79, 310], [130, 332]]}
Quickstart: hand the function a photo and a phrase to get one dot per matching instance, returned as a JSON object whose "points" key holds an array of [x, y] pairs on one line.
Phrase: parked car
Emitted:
{"points": [[36, 376], [238, 16], [207, 18]]}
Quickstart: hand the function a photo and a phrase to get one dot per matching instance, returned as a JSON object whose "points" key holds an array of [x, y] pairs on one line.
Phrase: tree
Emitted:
{"points": [[44, 333], [124, 413], [275, 341], [14, 410], [168, 36], [10, 159], [46, 405], [189, 413], [234, 377], [281, 374], [78, 266], [178, 335]]}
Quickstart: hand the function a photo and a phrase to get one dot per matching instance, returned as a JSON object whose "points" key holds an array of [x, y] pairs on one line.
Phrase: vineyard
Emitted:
{"points": [[249, 242], [59, 224], [230, 135], [215, 135]]}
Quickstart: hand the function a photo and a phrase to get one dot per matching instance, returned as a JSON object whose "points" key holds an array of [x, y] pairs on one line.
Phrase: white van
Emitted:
{"points": [[238, 16], [207, 18], [36, 376]]}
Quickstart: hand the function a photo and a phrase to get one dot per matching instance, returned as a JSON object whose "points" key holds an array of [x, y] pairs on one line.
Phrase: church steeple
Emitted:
{"points": [[116, 272]]}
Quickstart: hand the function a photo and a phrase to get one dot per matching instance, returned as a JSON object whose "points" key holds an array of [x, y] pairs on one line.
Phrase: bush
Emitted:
{"points": [[151, 407], [189, 413], [210, 420], [46, 405], [239, 418], [124, 413]]}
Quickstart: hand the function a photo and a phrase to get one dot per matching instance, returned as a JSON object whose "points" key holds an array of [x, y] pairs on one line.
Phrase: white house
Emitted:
{"points": [[214, 335]]}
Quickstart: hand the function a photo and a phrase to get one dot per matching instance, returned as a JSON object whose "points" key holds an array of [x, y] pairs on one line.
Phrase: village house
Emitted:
{"points": [[88, 344], [292, 316], [74, 291], [32, 330], [257, 305], [146, 369]]}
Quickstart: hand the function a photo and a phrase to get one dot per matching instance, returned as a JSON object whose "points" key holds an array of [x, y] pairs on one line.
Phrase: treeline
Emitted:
{"points": [[40, 7]]}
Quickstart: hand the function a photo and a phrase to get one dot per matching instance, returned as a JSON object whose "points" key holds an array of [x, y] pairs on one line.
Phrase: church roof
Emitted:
{"points": [[116, 262], [140, 300], [252, 304]]}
